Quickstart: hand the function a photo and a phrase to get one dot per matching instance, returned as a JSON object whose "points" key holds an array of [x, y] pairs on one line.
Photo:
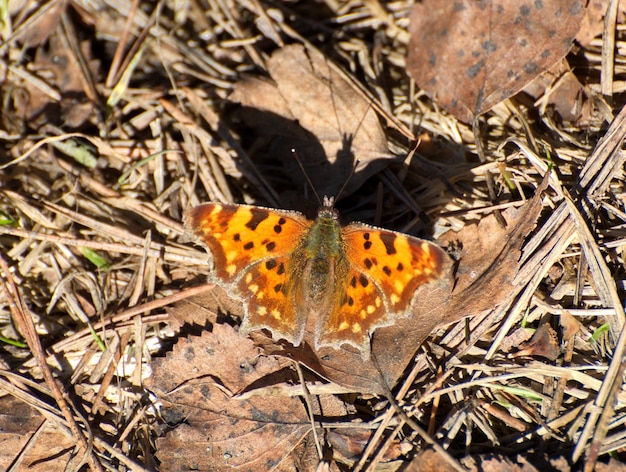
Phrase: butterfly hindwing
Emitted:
{"points": [[358, 310]]}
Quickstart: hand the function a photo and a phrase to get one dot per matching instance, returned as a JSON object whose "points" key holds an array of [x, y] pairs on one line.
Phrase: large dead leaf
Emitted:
{"points": [[210, 429], [489, 258], [471, 55], [310, 108]]}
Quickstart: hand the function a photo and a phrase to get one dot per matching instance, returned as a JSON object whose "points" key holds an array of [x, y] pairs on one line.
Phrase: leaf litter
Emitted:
{"points": [[187, 129]]}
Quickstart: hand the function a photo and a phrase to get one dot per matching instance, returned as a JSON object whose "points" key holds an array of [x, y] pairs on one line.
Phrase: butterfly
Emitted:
{"points": [[342, 282]]}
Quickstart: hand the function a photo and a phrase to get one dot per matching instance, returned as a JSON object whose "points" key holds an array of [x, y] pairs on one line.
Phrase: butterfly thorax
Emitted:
{"points": [[321, 263]]}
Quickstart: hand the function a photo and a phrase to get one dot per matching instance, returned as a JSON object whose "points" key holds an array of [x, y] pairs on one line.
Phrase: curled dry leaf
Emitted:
{"points": [[209, 429], [349, 443], [570, 325], [544, 343], [471, 55], [285, 113], [560, 90]]}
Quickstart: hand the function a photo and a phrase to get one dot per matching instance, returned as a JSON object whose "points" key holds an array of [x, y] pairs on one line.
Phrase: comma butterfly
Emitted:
{"points": [[291, 272]]}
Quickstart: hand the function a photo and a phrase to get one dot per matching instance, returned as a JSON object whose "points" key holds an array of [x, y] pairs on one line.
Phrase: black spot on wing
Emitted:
{"points": [[389, 240], [278, 228], [257, 217], [363, 280]]}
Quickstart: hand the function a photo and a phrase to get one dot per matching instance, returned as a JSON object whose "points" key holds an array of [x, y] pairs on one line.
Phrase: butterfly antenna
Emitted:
{"points": [[306, 176], [345, 184]]}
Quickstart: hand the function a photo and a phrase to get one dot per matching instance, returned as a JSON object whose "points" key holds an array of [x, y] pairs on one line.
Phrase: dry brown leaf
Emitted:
{"points": [[544, 343], [203, 309], [593, 22], [614, 465], [211, 430], [285, 114], [63, 75], [349, 443], [428, 460], [52, 450], [571, 326], [502, 463], [561, 91], [471, 55], [513, 340], [45, 22], [489, 258]]}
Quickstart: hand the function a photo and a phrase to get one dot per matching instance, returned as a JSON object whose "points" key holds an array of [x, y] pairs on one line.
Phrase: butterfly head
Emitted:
{"points": [[328, 209]]}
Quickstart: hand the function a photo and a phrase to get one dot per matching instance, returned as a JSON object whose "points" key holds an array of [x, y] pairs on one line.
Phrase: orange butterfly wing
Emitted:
{"points": [[251, 248], [386, 268]]}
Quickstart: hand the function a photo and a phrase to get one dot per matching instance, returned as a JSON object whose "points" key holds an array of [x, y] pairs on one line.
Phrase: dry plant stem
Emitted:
{"points": [[106, 381], [604, 420], [188, 125], [605, 162], [557, 398], [608, 49], [424, 435], [413, 424], [121, 46], [372, 466], [157, 250], [605, 397], [407, 384], [20, 313], [417, 367], [75, 54], [116, 200], [32, 441], [245, 165], [140, 279]]}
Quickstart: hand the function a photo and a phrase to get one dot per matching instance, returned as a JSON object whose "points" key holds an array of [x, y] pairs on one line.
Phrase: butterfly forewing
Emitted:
{"points": [[240, 235]]}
